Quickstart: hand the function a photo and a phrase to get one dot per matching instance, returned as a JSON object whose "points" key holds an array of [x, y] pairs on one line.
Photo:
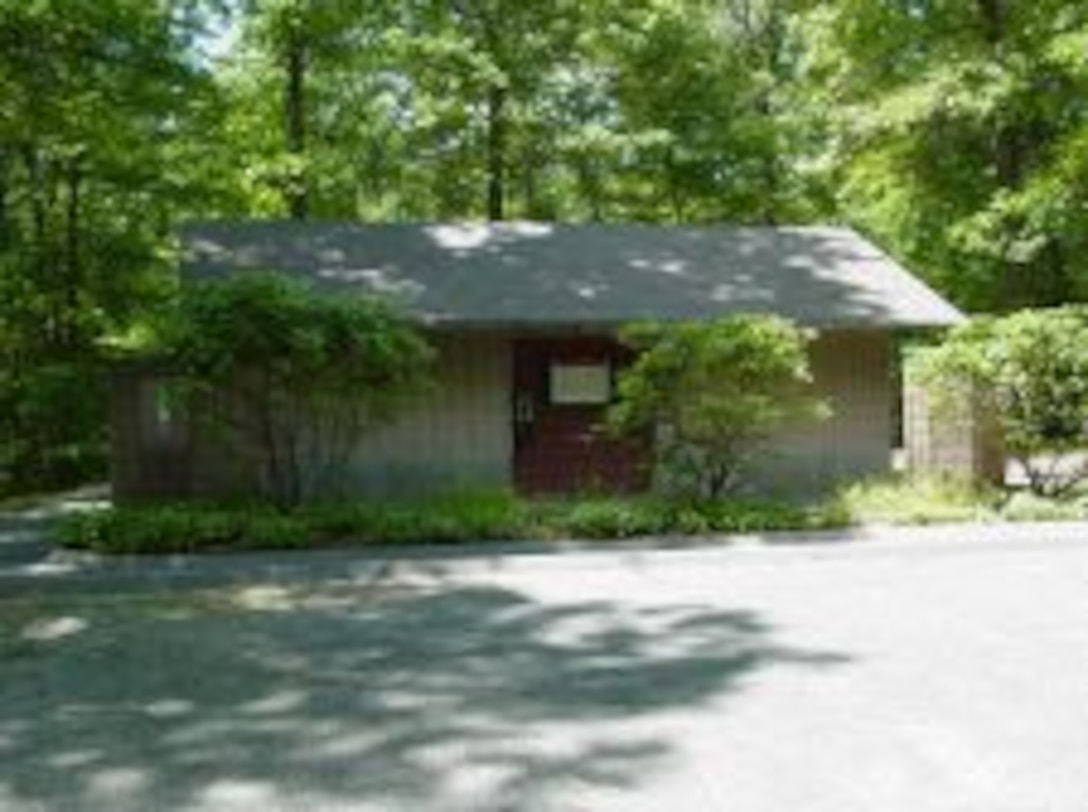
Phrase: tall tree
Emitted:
{"points": [[952, 118], [602, 109], [94, 98]]}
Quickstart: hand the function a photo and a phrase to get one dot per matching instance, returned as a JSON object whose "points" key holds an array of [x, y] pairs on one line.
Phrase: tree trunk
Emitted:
{"points": [[589, 185], [496, 152], [992, 13], [1007, 157], [773, 43], [5, 219], [1053, 286], [296, 64], [72, 270], [529, 159], [673, 186], [38, 207], [38, 196]]}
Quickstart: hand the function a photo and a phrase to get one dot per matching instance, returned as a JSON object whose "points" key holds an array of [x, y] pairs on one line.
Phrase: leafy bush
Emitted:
{"points": [[52, 426], [711, 394], [1030, 369], [293, 375]]}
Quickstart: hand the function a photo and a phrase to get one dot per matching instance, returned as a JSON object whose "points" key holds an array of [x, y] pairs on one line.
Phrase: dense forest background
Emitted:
{"points": [[953, 132]]}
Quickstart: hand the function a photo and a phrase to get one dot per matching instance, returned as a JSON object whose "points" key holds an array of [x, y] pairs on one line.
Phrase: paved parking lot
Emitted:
{"points": [[873, 675]]}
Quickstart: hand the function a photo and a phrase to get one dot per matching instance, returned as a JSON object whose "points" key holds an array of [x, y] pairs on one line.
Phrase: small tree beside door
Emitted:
{"points": [[712, 394]]}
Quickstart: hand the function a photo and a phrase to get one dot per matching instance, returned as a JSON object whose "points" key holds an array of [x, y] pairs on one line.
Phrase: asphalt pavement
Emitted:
{"points": [[889, 670]]}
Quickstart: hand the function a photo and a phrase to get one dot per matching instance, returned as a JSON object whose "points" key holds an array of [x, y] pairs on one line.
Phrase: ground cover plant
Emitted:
{"points": [[502, 516], [913, 500], [452, 519]]}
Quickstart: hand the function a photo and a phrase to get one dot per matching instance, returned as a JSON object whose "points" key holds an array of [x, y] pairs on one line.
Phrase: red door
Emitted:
{"points": [[561, 392]]}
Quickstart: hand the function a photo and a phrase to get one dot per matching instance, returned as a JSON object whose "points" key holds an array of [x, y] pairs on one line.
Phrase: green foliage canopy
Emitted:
{"points": [[659, 110], [100, 104], [957, 137]]}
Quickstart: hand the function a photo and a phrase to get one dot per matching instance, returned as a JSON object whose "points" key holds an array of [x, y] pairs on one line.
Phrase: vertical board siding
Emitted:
{"points": [[135, 469], [961, 439], [176, 458], [852, 370], [461, 435], [458, 436]]}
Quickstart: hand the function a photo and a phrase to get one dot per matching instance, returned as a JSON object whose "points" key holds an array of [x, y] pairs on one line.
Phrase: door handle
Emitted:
{"points": [[524, 409]]}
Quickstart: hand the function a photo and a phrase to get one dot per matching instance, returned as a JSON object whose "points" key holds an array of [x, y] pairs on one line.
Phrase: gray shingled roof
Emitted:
{"points": [[537, 274]]}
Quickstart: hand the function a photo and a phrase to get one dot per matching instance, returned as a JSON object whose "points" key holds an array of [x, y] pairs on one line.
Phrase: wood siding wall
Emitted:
{"points": [[852, 370], [462, 436], [956, 440], [149, 460], [161, 454], [459, 436]]}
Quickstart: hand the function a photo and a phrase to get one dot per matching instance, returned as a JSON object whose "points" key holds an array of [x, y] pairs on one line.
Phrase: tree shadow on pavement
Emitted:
{"points": [[469, 696], [26, 522]]}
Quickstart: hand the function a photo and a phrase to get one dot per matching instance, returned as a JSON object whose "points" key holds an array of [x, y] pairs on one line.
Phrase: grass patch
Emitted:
{"points": [[919, 500], [454, 519], [936, 500], [1025, 506]]}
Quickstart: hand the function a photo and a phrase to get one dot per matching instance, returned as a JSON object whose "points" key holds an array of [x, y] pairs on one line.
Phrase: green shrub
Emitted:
{"points": [[1028, 369], [52, 426]]}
